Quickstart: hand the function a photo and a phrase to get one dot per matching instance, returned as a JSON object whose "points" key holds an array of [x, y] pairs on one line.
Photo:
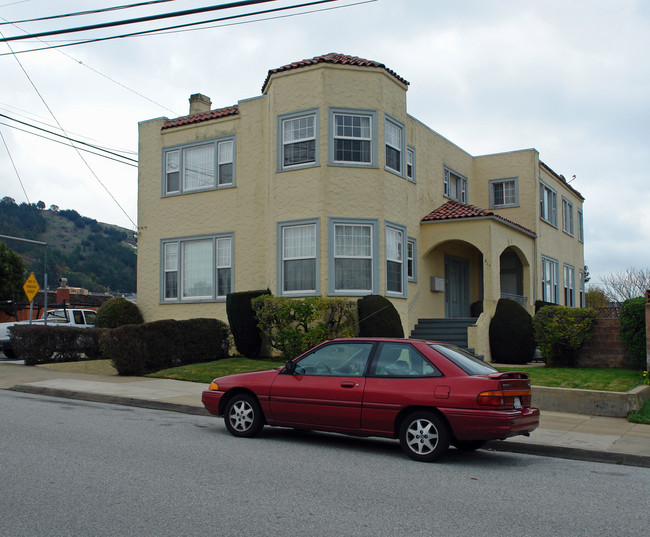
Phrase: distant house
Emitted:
{"points": [[325, 186]]}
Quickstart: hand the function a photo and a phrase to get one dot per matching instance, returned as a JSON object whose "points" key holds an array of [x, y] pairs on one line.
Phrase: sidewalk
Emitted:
{"points": [[573, 436]]}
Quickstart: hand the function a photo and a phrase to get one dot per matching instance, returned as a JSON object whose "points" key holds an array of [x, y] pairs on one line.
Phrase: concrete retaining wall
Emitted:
{"points": [[590, 402]]}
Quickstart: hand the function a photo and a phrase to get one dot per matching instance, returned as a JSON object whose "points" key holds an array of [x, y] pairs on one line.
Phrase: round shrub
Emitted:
{"points": [[632, 317], [243, 322], [118, 312], [378, 318], [512, 339]]}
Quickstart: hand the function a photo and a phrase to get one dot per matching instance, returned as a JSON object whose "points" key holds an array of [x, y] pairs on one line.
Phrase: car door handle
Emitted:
{"points": [[348, 385]]}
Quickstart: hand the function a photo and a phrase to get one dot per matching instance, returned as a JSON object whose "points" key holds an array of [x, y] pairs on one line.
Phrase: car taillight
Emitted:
{"points": [[505, 398]]}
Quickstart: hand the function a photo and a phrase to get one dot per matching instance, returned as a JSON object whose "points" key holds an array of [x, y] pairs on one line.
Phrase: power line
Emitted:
{"points": [[89, 12], [137, 20]]}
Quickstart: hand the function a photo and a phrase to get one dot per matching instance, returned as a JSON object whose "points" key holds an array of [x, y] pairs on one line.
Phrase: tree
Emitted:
{"points": [[630, 283], [12, 273], [595, 298], [40, 205], [54, 208]]}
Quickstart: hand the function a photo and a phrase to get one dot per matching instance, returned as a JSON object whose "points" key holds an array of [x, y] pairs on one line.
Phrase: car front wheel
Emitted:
{"points": [[424, 436], [243, 416]]}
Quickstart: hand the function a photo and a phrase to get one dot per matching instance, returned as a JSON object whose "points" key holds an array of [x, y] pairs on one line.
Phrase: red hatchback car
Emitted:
{"points": [[427, 394]]}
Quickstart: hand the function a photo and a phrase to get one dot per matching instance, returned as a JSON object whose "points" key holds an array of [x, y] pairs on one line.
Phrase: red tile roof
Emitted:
{"points": [[202, 116], [453, 210], [334, 58]]}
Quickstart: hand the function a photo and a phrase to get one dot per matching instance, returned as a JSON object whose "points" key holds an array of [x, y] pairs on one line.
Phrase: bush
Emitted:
{"points": [[560, 331], [632, 317], [243, 322], [539, 304], [49, 344], [294, 326], [378, 317], [149, 347], [117, 312], [512, 338]]}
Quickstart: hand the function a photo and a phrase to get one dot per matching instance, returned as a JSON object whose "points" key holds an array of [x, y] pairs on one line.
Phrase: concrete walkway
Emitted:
{"points": [[574, 436]]}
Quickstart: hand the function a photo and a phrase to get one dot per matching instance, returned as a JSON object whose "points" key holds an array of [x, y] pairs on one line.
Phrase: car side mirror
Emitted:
{"points": [[289, 367]]}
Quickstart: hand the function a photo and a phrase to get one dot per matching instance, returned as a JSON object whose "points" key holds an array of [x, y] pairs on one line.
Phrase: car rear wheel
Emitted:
{"points": [[244, 416], [424, 436], [468, 445]]}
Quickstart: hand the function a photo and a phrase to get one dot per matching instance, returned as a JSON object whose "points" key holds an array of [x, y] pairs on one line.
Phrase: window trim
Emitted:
{"points": [[281, 226], [567, 217], [180, 148], [412, 177], [543, 189], [464, 192], [215, 269], [554, 279], [403, 150], [402, 231], [493, 182], [570, 290], [414, 276], [373, 223], [281, 145], [581, 226], [372, 114]]}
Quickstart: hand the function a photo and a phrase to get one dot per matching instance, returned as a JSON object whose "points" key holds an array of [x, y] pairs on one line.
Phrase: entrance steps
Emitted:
{"points": [[453, 330]]}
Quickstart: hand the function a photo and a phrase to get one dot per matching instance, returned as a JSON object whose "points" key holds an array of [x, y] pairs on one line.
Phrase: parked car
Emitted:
{"points": [[79, 318], [427, 394]]}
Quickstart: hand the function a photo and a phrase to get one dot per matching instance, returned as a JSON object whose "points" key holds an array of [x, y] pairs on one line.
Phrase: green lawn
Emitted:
{"points": [[643, 416], [613, 380]]}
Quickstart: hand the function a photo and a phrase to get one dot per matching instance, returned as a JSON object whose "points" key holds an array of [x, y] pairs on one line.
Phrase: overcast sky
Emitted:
{"points": [[571, 79]]}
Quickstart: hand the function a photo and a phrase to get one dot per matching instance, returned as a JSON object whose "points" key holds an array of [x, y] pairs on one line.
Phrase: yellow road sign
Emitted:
{"points": [[31, 287]]}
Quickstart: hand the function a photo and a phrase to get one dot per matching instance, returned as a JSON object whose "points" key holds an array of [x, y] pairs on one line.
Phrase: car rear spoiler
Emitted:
{"points": [[509, 375]]}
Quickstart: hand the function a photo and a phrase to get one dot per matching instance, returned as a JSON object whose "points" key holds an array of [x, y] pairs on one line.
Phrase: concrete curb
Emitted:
{"points": [[112, 399], [558, 452]]}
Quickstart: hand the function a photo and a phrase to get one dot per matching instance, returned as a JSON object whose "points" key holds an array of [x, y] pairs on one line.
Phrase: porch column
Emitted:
{"points": [[491, 280]]}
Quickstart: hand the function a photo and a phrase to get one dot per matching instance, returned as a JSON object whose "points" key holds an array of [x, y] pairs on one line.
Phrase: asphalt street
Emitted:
{"points": [[81, 468]]}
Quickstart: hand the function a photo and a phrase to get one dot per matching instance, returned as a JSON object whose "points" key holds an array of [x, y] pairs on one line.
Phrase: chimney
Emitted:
{"points": [[63, 291], [199, 103]]}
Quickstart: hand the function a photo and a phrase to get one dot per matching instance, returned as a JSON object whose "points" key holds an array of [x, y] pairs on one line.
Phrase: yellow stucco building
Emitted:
{"points": [[324, 185]]}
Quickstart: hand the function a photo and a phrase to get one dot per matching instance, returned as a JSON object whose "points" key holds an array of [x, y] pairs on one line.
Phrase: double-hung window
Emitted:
{"points": [[394, 138], [548, 204], [581, 227], [569, 286], [567, 216], [395, 258], [353, 256], [201, 166], [353, 138], [455, 186], [550, 269], [298, 258], [411, 266], [298, 140], [504, 193], [197, 269], [410, 164]]}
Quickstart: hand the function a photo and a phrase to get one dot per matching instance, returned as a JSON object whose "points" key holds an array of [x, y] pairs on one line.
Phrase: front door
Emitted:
{"points": [[456, 287]]}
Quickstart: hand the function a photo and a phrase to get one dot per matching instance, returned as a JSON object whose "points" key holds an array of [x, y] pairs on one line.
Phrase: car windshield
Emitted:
{"points": [[467, 362]]}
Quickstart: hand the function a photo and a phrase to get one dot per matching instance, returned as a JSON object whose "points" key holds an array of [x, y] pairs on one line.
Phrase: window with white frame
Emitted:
{"points": [[569, 286], [395, 243], [504, 193], [581, 229], [455, 186], [202, 166], [298, 251], [394, 137], [567, 216], [548, 204], [550, 274], [298, 140], [353, 137], [353, 256], [410, 164], [197, 269], [411, 252]]}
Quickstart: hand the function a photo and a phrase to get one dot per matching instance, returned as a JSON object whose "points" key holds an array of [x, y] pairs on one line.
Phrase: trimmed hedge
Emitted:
{"points": [[560, 331], [243, 322], [632, 317], [512, 338], [117, 312], [138, 349], [49, 344], [378, 318]]}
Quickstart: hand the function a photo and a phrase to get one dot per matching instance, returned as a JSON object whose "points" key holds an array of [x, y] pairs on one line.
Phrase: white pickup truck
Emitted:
{"points": [[61, 317]]}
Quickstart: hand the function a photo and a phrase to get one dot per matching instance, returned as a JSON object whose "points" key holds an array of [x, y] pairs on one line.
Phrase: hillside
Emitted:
{"points": [[99, 257]]}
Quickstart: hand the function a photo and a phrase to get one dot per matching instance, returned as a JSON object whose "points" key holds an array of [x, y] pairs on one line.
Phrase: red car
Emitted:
{"points": [[427, 394]]}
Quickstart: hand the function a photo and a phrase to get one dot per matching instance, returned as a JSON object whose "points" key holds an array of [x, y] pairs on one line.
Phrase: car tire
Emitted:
{"points": [[424, 436], [243, 416], [468, 445]]}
